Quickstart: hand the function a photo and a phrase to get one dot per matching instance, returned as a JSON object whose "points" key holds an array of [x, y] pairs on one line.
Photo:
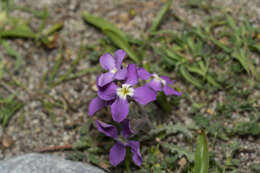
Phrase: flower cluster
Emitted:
{"points": [[116, 88]]}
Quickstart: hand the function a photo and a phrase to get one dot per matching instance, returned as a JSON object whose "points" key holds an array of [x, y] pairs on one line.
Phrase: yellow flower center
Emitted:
{"points": [[157, 78], [124, 91], [114, 70]]}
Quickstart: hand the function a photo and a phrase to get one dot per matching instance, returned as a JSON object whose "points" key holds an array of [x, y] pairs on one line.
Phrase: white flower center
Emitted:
{"points": [[114, 70], [125, 91], [157, 78]]}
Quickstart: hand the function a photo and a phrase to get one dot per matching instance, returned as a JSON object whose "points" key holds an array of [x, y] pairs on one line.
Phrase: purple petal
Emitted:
{"points": [[144, 95], [107, 129], [143, 74], [167, 79], [117, 154], [119, 110], [170, 91], [155, 85], [107, 61], [104, 79], [121, 74], [119, 56], [135, 149], [97, 80], [95, 105], [108, 92], [132, 77], [127, 131]]}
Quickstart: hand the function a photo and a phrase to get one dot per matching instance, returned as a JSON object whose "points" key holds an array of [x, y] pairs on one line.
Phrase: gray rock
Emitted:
{"points": [[42, 163]]}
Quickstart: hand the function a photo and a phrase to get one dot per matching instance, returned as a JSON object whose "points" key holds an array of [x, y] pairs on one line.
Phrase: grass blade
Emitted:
{"points": [[160, 16], [9, 107], [204, 74], [189, 77], [113, 32], [22, 31], [55, 69], [13, 53], [201, 154], [56, 27], [122, 43], [102, 24], [241, 57]]}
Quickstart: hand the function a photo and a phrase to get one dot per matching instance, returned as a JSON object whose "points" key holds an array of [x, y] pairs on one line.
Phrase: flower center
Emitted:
{"points": [[157, 78], [122, 140], [124, 91], [114, 70]]}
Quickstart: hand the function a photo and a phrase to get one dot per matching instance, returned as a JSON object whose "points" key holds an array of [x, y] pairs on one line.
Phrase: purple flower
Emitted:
{"points": [[95, 105], [113, 65], [119, 94], [118, 151], [143, 74], [161, 83]]}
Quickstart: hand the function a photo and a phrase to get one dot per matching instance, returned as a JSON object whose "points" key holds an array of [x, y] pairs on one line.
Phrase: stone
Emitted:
{"points": [[45, 163]]}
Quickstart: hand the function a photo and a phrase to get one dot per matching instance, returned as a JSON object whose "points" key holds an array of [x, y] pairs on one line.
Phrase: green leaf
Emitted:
{"points": [[12, 52], [55, 68], [160, 16], [22, 31], [122, 43], [201, 154], [9, 107], [119, 38], [181, 151], [102, 24], [247, 128], [231, 22], [221, 45], [189, 77], [255, 47], [204, 74], [56, 27], [255, 167], [162, 101], [172, 129], [241, 57]]}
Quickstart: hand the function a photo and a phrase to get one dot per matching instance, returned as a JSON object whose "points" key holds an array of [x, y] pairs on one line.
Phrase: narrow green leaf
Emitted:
{"points": [[45, 15], [122, 43], [255, 47], [221, 45], [189, 77], [231, 22], [55, 69], [9, 108], [160, 16], [204, 74], [11, 52], [113, 32], [102, 24], [173, 55], [201, 154], [162, 101], [241, 57], [181, 151], [56, 27], [22, 31]]}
